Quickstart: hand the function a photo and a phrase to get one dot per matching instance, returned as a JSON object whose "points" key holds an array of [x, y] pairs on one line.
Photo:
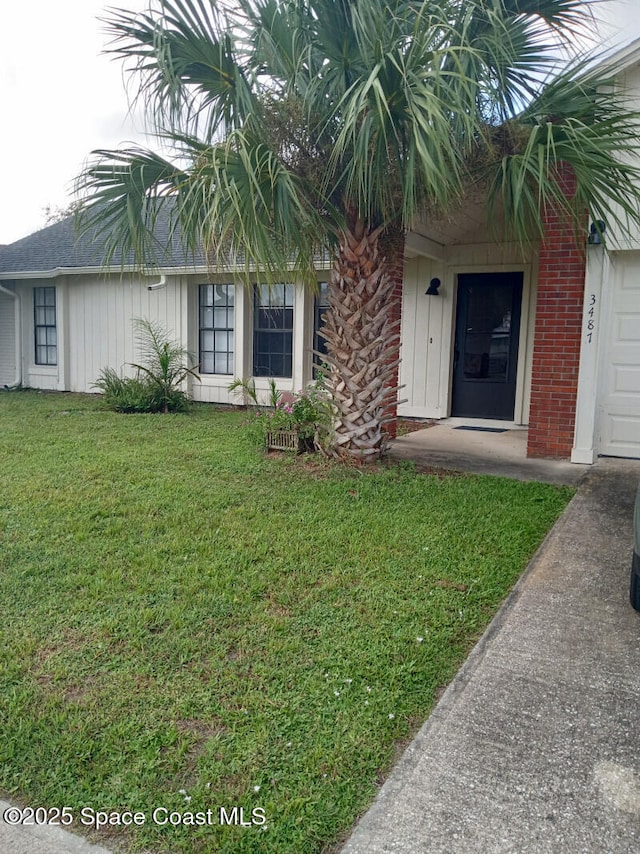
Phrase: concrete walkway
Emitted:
{"points": [[40, 839], [535, 746]]}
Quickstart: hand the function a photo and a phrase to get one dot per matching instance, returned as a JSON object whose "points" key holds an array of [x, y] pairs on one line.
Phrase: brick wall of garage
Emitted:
{"points": [[558, 324]]}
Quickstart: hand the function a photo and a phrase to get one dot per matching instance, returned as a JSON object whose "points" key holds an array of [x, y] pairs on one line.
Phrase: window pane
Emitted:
{"points": [[206, 318], [323, 294], [230, 294], [50, 316], [288, 296], [221, 363], [41, 316], [221, 294], [52, 338], [221, 342], [50, 296], [220, 318], [261, 366], [206, 364], [41, 355], [41, 335], [321, 307], [207, 340], [264, 318]]}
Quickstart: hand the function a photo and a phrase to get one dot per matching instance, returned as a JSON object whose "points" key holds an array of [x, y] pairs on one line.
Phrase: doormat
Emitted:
{"points": [[485, 429]]}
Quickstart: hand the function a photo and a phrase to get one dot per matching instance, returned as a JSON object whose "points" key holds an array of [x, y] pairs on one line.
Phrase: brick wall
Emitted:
{"points": [[556, 352]]}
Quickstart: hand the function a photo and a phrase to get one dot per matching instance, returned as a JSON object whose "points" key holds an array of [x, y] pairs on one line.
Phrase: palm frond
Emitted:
{"points": [[580, 120], [290, 116], [185, 61], [255, 210], [122, 194]]}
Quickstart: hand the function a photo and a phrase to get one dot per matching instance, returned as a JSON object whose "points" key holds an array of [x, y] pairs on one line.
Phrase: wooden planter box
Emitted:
{"points": [[288, 440]]}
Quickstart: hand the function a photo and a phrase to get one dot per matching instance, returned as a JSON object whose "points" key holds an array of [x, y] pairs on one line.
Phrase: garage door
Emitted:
{"points": [[620, 402]]}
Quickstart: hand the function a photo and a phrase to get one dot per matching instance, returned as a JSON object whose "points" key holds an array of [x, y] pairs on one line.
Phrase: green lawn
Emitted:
{"points": [[189, 624]]}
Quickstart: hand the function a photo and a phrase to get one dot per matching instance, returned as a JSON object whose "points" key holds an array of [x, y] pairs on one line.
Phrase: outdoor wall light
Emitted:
{"points": [[432, 290], [596, 230]]}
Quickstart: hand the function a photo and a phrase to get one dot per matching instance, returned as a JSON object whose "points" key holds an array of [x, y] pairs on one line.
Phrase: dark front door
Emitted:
{"points": [[486, 345]]}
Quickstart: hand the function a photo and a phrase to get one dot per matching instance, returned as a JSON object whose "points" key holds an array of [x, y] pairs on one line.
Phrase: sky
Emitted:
{"points": [[61, 97]]}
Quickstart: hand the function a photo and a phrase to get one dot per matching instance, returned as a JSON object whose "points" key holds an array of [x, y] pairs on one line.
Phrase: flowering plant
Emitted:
{"points": [[309, 412]]}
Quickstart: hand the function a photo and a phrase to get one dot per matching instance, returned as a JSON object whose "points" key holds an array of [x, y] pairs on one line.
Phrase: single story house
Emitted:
{"points": [[548, 337]]}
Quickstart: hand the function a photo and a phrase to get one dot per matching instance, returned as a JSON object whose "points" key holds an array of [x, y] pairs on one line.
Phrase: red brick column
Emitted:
{"points": [[392, 247], [556, 351]]}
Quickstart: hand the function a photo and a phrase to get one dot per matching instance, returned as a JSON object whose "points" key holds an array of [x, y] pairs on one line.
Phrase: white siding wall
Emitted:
{"points": [[426, 340], [628, 238], [95, 330], [428, 326], [7, 340], [100, 329]]}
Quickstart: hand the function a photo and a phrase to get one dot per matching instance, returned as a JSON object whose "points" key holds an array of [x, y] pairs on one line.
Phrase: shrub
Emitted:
{"points": [[126, 394], [309, 412], [156, 388]]}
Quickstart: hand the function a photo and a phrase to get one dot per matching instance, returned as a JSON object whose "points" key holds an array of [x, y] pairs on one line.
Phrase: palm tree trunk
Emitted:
{"points": [[362, 330]]}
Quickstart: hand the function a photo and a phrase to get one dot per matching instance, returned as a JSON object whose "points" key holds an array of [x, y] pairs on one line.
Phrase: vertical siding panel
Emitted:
{"points": [[407, 336], [435, 343], [422, 320], [7, 340]]}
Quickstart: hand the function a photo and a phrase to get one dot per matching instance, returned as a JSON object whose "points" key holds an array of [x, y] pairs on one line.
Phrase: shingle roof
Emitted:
{"points": [[59, 246]]}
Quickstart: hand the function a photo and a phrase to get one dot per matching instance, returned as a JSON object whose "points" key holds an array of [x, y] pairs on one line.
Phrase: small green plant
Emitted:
{"points": [[125, 394], [245, 387], [157, 386], [165, 369], [275, 395], [310, 413]]}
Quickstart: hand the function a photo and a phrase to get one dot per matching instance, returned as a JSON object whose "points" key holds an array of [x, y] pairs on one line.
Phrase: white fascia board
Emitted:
{"points": [[104, 271], [418, 244], [623, 57], [166, 271]]}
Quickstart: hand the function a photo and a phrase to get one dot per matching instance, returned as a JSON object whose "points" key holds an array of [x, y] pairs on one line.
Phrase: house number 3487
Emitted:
{"points": [[591, 313]]}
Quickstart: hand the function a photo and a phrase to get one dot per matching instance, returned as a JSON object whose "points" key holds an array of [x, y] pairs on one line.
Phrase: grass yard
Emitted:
{"points": [[188, 624]]}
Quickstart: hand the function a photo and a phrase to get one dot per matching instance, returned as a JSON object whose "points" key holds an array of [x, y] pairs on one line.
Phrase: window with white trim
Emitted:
{"points": [[273, 330], [44, 324], [216, 323]]}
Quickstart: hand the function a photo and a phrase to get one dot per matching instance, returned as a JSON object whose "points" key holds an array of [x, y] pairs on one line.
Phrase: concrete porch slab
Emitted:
{"points": [[442, 445]]}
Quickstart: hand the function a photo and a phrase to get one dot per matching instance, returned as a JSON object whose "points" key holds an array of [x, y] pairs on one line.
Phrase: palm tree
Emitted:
{"points": [[299, 127]]}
